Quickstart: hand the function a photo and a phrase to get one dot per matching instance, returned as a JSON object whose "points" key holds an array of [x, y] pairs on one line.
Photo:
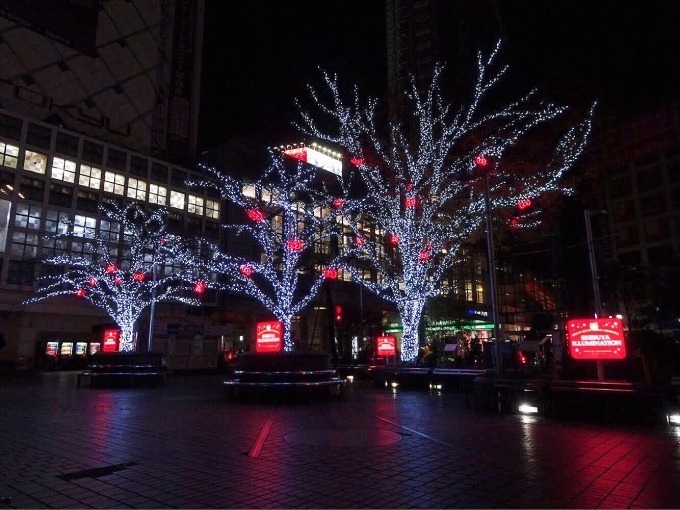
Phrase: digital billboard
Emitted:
{"points": [[597, 339], [269, 336], [386, 346], [111, 338], [316, 158], [52, 348]]}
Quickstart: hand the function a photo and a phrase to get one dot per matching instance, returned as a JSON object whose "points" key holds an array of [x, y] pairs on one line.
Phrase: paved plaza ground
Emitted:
{"points": [[183, 445]]}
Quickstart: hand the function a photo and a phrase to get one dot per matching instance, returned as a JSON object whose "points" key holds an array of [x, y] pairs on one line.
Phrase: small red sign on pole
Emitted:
{"points": [[269, 336], [386, 345], [111, 339], [596, 339]]}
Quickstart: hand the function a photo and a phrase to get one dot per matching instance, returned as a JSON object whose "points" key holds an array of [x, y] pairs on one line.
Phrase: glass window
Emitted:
{"points": [[249, 190], [195, 204], [56, 222], [21, 272], [212, 209], [158, 194], [93, 152], [24, 244], [8, 155], [109, 231], [67, 144], [84, 226], [480, 292], [136, 189], [90, 176], [39, 136], [114, 183], [27, 216], [54, 247], [83, 248], [63, 169], [60, 195], [176, 199], [35, 162], [87, 201]]}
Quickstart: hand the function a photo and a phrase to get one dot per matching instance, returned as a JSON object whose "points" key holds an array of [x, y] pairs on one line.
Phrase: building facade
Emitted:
{"points": [[99, 103], [50, 176]]}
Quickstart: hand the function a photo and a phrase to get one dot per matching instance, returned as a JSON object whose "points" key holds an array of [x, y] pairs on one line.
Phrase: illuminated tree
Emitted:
{"points": [[123, 269], [288, 211], [423, 175]]}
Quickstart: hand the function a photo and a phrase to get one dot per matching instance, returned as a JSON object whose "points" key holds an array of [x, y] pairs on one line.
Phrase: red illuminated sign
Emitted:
{"points": [[596, 339], [386, 345], [269, 336], [111, 337]]}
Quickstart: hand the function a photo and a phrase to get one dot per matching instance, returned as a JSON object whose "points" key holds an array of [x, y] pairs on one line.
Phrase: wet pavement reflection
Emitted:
{"points": [[184, 445]]}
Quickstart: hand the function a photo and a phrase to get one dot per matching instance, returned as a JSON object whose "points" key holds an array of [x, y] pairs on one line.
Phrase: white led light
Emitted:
{"points": [[527, 409], [286, 230], [674, 419], [414, 192], [123, 290]]}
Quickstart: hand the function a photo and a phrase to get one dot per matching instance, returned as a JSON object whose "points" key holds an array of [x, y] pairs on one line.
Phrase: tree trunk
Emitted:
{"points": [[127, 338], [288, 345]]}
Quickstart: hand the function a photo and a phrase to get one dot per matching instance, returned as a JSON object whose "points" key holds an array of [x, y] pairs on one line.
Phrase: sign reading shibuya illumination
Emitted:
{"points": [[387, 345], [269, 336], [316, 158], [596, 339]]}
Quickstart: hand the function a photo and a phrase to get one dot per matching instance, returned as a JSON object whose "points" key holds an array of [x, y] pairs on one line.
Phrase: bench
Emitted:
{"points": [[606, 400], [301, 371], [123, 369]]}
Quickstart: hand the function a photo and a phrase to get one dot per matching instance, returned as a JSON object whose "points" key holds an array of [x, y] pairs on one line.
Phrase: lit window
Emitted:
{"points": [[114, 183], [35, 162], [158, 194], [84, 226], [136, 189], [249, 191], [90, 177], [27, 216], [63, 169], [212, 209], [176, 199], [8, 155], [195, 204], [480, 292]]}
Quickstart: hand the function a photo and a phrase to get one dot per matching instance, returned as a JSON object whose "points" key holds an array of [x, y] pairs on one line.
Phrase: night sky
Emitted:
{"points": [[258, 55]]}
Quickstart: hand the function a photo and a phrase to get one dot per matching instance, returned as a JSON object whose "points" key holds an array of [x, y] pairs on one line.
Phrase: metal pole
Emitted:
{"points": [[153, 307], [492, 277], [596, 287]]}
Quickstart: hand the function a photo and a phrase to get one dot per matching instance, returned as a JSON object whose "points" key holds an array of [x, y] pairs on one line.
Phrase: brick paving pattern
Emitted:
{"points": [[183, 445]]}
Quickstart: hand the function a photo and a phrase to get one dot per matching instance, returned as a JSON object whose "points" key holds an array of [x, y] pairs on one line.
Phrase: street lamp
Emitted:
{"points": [[484, 166], [153, 304], [587, 213]]}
